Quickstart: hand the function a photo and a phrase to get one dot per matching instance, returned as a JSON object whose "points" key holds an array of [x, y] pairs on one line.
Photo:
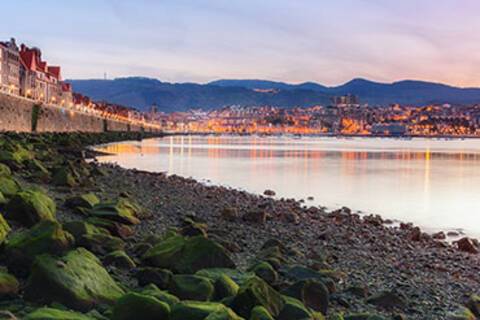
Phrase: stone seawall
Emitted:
{"points": [[21, 115]]}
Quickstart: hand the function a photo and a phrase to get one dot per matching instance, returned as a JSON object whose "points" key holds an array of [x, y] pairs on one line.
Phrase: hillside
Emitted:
{"points": [[143, 92]]}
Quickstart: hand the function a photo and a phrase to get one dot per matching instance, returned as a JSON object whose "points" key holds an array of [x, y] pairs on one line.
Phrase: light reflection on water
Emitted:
{"points": [[433, 183]]}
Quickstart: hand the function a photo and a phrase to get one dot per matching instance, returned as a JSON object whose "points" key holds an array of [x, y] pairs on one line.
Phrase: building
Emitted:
{"points": [[9, 67], [40, 81], [348, 100]]}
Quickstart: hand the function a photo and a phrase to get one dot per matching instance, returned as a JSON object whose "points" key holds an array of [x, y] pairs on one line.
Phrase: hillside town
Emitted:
{"points": [[24, 73], [336, 119]]}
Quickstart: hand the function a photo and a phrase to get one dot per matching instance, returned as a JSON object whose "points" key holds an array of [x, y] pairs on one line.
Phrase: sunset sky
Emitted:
{"points": [[329, 42]]}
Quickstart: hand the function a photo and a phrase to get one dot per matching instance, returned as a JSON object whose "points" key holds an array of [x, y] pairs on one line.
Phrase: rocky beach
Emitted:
{"points": [[84, 240]]}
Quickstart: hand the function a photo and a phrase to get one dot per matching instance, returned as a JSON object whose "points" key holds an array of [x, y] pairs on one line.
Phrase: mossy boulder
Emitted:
{"points": [[9, 186], [460, 314], [473, 304], [133, 306], [119, 259], [260, 313], [188, 255], [313, 293], [236, 275], [31, 206], [37, 170], [77, 280], [8, 285], [5, 170], [63, 176], [256, 292], [87, 201], [55, 314], [363, 316], [223, 314], [154, 291], [97, 240], [294, 309], [195, 310], [122, 211], [157, 276], [44, 237], [115, 228], [225, 287], [265, 271], [190, 287], [4, 229], [3, 200]]}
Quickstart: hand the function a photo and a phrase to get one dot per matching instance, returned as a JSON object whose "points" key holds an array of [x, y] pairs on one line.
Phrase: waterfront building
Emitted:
{"points": [[9, 67]]}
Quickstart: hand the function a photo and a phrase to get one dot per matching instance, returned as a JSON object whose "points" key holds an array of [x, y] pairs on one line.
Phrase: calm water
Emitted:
{"points": [[433, 183]]}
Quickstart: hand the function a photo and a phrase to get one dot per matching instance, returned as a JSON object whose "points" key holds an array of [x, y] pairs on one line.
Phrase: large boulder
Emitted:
{"points": [[63, 176], [116, 228], [8, 285], [4, 229], [154, 291], [133, 306], [44, 237], [55, 314], [237, 276], [122, 210], [9, 186], [119, 259], [256, 292], [260, 313], [189, 287], [30, 206], [188, 255], [313, 293], [223, 314], [195, 310], [225, 287], [5, 170], [77, 280], [157, 276], [97, 240], [265, 271], [86, 201], [294, 309]]}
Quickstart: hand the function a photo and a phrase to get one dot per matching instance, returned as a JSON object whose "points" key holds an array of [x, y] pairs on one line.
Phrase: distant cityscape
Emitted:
{"points": [[346, 116], [25, 74]]}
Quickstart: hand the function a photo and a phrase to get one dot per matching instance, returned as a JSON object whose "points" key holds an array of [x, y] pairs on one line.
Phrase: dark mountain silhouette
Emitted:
{"points": [[143, 92]]}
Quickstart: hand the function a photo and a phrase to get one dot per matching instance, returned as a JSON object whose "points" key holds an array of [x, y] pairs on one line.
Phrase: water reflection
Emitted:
{"points": [[433, 183]]}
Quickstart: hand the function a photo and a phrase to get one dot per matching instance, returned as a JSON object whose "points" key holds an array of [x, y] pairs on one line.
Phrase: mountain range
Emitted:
{"points": [[142, 93]]}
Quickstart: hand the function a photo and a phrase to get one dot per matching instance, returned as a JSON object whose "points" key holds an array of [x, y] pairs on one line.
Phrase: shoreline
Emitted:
{"points": [[417, 277]]}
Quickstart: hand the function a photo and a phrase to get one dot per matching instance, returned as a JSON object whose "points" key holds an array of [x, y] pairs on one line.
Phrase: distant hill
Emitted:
{"points": [[143, 92]]}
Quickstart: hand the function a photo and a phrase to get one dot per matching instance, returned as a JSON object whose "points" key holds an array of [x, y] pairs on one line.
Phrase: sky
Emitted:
{"points": [[329, 42]]}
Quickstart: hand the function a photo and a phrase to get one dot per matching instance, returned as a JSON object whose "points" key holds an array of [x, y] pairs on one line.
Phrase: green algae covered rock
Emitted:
{"points": [[293, 309], [9, 186], [260, 313], [87, 201], [93, 238], [4, 229], [37, 170], [154, 291], [223, 314], [133, 306], [225, 287], [313, 293], [31, 206], [8, 285], [119, 259], [77, 280], [473, 304], [3, 200], [55, 314], [188, 255], [64, 177], [157, 276], [363, 316], [265, 271], [256, 292], [460, 314], [115, 228], [122, 211], [44, 237], [237, 276], [189, 287], [195, 310], [5, 170]]}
